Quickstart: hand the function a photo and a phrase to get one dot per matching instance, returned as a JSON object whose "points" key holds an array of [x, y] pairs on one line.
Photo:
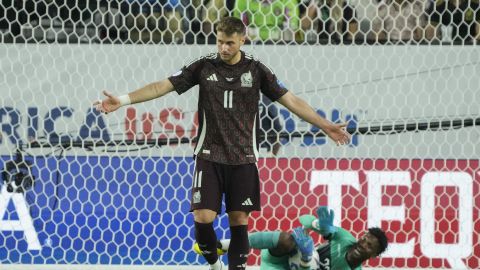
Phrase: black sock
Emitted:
{"points": [[239, 248], [207, 241]]}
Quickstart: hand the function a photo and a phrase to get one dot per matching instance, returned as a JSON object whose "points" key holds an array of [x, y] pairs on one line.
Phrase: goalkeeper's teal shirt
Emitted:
{"points": [[329, 256], [332, 255], [288, 262]]}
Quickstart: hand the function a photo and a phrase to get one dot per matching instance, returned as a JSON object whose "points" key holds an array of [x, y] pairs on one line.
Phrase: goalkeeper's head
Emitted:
{"points": [[381, 238], [373, 243]]}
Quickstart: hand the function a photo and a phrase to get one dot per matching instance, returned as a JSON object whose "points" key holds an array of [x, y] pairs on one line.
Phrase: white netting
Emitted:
{"points": [[115, 189]]}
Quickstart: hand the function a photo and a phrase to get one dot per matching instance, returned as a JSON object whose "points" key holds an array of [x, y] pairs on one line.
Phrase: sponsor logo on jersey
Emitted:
{"points": [[247, 80], [212, 77]]}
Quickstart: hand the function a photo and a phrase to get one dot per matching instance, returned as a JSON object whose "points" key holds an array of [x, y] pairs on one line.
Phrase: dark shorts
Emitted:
{"points": [[239, 183]]}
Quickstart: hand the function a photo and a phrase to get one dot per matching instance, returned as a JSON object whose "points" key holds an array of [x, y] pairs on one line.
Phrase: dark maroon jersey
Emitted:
{"points": [[228, 105]]}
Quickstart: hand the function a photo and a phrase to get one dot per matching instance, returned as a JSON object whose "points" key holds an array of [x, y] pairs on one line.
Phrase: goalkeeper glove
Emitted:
{"points": [[325, 221], [304, 245]]}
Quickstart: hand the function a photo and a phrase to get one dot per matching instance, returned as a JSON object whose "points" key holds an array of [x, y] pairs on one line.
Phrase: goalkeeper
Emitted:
{"points": [[289, 251]]}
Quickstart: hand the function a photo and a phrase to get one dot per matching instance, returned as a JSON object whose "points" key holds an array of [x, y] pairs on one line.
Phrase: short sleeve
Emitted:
{"points": [[187, 77], [270, 85]]}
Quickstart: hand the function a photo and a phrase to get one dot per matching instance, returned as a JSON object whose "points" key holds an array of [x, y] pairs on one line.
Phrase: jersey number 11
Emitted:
{"points": [[228, 99]]}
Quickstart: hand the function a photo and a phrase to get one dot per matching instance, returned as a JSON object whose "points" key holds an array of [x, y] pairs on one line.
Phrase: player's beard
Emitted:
{"points": [[357, 251], [228, 57]]}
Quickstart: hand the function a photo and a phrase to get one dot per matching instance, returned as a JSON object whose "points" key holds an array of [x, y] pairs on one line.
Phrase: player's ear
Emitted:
{"points": [[242, 39]]}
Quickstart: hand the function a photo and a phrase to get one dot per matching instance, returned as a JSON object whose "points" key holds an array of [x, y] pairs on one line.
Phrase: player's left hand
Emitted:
{"points": [[338, 133], [304, 243]]}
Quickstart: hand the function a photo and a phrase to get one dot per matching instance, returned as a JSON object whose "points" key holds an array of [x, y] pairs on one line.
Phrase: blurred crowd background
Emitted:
{"points": [[269, 21]]}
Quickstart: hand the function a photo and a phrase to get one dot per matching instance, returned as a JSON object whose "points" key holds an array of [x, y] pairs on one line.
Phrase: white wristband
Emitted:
{"points": [[125, 100]]}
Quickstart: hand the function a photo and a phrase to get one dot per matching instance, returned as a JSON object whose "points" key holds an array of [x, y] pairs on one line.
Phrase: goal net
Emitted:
{"points": [[79, 187]]}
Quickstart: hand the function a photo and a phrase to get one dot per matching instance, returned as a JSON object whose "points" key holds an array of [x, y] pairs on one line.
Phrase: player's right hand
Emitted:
{"points": [[110, 104], [304, 243]]}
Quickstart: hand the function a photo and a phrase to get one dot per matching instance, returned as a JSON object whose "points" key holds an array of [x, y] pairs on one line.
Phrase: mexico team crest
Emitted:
{"points": [[247, 80]]}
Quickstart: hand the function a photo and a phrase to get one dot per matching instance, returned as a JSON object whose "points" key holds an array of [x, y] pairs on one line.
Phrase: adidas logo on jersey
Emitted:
{"points": [[247, 202], [212, 77]]}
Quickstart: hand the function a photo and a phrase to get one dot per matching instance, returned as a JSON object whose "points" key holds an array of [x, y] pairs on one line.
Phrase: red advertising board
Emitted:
{"points": [[428, 208]]}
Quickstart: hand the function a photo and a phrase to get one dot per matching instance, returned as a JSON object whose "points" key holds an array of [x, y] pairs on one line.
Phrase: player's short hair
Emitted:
{"points": [[381, 237], [231, 25]]}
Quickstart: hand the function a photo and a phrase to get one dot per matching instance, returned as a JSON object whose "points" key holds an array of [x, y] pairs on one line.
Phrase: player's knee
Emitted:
{"points": [[237, 218], [204, 216]]}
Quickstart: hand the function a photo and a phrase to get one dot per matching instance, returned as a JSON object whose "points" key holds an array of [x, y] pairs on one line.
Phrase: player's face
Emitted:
{"points": [[365, 248], [229, 46]]}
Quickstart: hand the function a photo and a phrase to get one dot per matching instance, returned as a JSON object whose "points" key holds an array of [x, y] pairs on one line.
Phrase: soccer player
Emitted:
{"points": [[294, 251], [226, 153]]}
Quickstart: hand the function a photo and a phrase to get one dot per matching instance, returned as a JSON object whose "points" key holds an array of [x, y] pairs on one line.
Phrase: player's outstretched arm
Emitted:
{"points": [[298, 106], [151, 91], [323, 224]]}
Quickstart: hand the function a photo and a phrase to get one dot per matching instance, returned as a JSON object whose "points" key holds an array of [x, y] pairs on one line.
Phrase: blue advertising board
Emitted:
{"points": [[102, 210]]}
